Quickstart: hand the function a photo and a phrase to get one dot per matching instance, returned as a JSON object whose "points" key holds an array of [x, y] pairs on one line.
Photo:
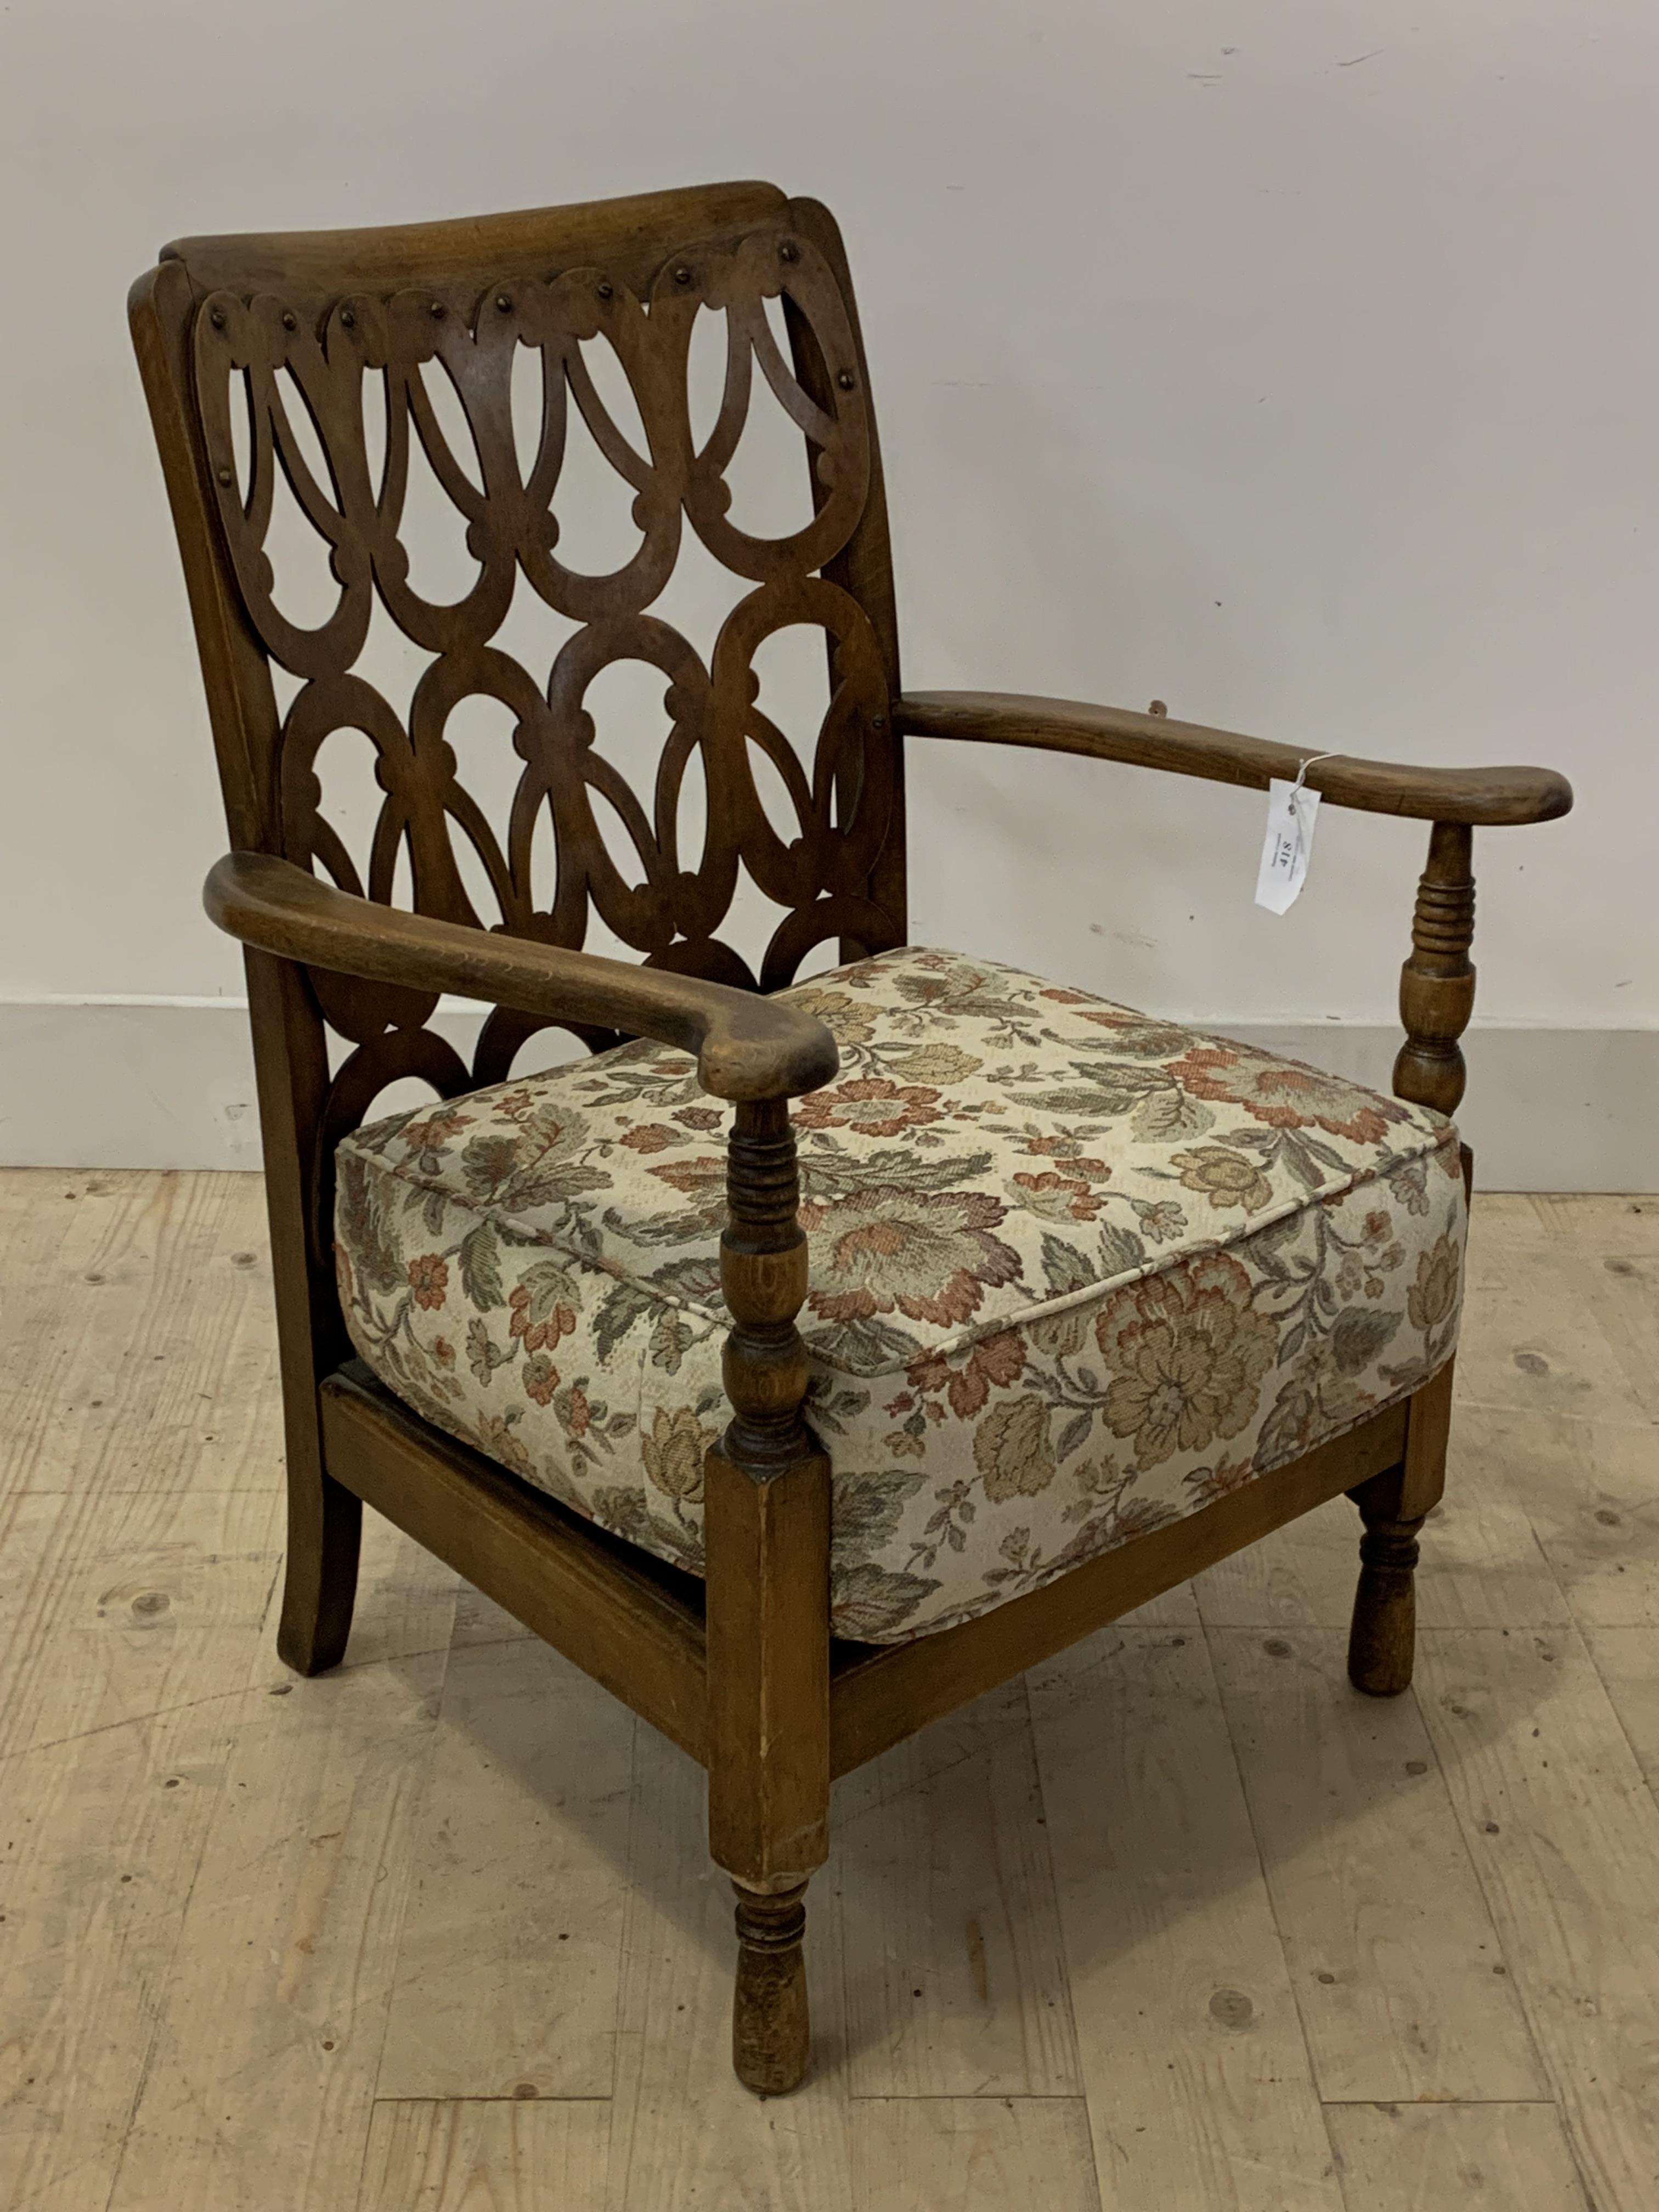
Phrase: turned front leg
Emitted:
{"points": [[765, 1520], [1393, 1506]]}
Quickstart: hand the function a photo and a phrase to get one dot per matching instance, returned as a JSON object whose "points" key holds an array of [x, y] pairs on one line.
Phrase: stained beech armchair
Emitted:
{"points": [[795, 1427]]}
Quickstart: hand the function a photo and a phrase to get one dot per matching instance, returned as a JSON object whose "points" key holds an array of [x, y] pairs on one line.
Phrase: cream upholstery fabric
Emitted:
{"points": [[1075, 1273]]}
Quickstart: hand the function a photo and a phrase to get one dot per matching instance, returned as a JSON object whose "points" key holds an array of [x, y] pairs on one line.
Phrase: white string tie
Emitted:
{"points": [[1306, 765]]}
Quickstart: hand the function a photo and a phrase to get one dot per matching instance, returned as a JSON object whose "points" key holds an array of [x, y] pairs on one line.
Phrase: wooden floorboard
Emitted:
{"points": [[1176, 1921]]}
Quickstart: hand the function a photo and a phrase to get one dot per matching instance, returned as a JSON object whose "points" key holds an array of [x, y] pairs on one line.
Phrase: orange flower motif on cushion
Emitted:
{"points": [[1187, 1351], [650, 1137], [1058, 1197], [993, 1362], [428, 1278], [930, 1254], [1282, 1093], [541, 1378], [847, 1021], [540, 1320], [430, 1133], [871, 1106], [701, 1180]]}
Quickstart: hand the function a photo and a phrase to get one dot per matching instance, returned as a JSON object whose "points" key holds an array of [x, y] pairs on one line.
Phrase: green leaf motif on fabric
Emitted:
{"points": [[620, 1307], [1064, 1267], [1163, 1115], [1120, 1250], [1360, 1335], [481, 1268], [670, 1340], [871, 1601], [484, 1357]]}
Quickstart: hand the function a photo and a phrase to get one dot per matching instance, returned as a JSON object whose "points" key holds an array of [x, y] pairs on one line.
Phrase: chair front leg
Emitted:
{"points": [[1393, 1505], [766, 1520], [1437, 997]]}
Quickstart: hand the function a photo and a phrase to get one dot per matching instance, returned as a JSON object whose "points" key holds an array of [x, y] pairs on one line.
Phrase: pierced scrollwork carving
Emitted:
{"points": [[273, 356]]}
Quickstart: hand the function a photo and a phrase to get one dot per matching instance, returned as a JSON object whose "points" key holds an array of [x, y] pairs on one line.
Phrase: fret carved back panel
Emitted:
{"points": [[304, 369]]}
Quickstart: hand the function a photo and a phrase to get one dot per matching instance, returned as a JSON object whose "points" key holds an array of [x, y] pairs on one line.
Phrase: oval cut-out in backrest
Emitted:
{"points": [[433, 531], [615, 392], [705, 374], [453, 424], [351, 802], [791, 666], [479, 730], [598, 533], [527, 402], [376, 415], [305, 584], [242, 434], [771, 495]]}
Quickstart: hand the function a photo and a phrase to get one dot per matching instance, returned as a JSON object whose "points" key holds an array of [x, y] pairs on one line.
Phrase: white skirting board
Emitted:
{"points": [[169, 1083]]}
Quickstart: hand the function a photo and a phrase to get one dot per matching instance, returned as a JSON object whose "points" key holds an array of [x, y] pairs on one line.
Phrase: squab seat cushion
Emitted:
{"points": [[1075, 1273]]}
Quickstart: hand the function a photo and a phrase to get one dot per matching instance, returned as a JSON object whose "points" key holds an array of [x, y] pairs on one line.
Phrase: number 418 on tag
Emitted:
{"points": [[1292, 810]]}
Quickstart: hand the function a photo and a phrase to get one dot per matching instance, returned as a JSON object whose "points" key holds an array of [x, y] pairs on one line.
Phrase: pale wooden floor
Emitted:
{"points": [[1177, 1923]]}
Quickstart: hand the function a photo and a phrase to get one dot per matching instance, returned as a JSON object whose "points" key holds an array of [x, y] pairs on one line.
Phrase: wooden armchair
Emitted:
{"points": [[1090, 1302]]}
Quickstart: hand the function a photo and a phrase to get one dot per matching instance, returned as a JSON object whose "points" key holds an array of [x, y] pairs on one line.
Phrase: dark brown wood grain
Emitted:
{"points": [[1493, 795], [746, 1046], [633, 233], [325, 1518]]}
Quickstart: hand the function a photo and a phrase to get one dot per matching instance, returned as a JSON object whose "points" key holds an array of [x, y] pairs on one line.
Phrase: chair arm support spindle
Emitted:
{"points": [[1437, 984], [764, 1276]]}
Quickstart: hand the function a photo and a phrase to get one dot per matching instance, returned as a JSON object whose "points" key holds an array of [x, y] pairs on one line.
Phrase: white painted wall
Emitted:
{"points": [[1295, 363]]}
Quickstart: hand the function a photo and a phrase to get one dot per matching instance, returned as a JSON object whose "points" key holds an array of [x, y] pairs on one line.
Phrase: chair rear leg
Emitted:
{"points": [[1393, 1505], [1382, 1639], [324, 1522], [319, 1586]]}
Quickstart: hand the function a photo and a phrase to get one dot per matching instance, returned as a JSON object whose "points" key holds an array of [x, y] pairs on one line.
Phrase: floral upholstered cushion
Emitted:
{"points": [[1074, 1273]]}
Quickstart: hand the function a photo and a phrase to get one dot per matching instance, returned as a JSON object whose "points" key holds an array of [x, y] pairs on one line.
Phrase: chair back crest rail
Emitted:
{"points": [[290, 334]]}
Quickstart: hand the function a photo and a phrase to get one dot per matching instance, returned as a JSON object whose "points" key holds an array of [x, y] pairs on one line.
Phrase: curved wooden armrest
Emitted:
{"points": [[1490, 796], [746, 1047]]}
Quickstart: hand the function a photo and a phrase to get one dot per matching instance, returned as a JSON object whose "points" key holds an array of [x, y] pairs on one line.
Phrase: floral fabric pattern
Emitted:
{"points": [[1074, 1273]]}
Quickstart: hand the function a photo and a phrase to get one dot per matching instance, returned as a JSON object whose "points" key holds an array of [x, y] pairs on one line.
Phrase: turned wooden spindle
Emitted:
{"points": [[1437, 997], [1382, 1639], [1436, 984], [767, 1531], [771, 2032]]}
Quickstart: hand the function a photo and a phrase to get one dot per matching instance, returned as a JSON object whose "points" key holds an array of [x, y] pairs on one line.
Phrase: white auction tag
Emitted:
{"points": [[1292, 810]]}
